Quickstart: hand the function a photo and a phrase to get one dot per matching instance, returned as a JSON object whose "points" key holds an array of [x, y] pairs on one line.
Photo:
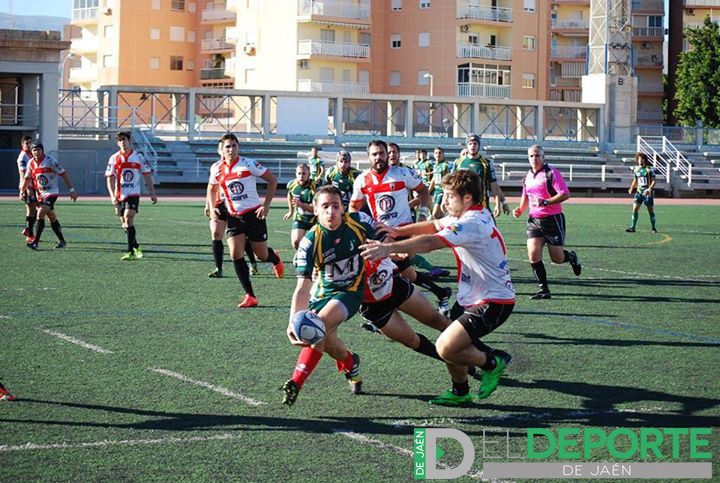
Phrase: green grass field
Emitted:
{"points": [[631, 343]]}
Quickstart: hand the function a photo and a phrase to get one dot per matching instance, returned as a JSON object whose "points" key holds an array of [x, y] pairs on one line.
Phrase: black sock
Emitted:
{"points": [[55, 225], [218, 252], [424, 280], [566, 258], [490, 363], [131, 242], [461, 388], [427, 348], [272, 257], [30, 223], [39, 229], [538, 269], [250, 254], [243, 274]]}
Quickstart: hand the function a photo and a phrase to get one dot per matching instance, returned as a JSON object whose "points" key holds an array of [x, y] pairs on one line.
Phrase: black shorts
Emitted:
{"points": [[247, 224], [131, 203], [552, 228], [481, 320], [49, 202], [379, 313], [221, 212], [29, 197]]}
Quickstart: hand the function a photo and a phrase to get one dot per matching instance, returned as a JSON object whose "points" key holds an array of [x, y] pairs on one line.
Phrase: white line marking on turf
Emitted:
{"points": [[75, 341], [653, 275], [123, 442], [281, 232], [219, 389], [16, 289], [397, 449], [5, 317]]}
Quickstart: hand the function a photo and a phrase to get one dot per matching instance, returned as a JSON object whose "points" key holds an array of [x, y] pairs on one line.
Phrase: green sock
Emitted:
{"points": [[634, 219], [420, 262], [652, 221]]}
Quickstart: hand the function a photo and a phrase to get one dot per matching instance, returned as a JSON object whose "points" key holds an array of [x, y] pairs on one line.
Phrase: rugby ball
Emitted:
{"points": [[308, 326]]}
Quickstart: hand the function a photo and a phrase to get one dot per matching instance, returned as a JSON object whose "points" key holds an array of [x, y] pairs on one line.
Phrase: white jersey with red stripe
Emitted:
{"points": [[44, 175], [214, 169], [22, 163], [479, 248], [237, 183], [127, 169], [387, 193], [378, 280]]}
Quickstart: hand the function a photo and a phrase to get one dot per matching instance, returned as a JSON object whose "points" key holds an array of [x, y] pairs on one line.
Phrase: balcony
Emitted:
{"points": [[210, 45], [578, 52], [558, 24], [694, 25], [80, 46], [702, 3], [481, 12], [307, 48], [330, 87], [650, 88], [656, 32], [337, 9], [645, 115], [216, 73], [652, 60], [466, 89], [217, 15], [468, 51], [84, 14], [648, 6], [566, 95], [83, 74]]}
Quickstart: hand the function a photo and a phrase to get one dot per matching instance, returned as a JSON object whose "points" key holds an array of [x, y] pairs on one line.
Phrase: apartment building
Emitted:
{"points": [[520, 49]]}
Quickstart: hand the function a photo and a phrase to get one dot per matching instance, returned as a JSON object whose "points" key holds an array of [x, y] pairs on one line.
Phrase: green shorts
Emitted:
{"points": [[437, 198], [303, 224], [351, 301]]}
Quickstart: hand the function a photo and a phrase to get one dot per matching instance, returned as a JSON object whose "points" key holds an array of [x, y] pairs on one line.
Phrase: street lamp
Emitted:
{"points": [[428, 75]]}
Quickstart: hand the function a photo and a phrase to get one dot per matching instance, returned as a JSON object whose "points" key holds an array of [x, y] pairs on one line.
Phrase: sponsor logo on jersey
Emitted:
{"points": [[128, 175], [236, 188], [379, 279], [455, 228], [386, 203], [42, 180], [464, 278]]}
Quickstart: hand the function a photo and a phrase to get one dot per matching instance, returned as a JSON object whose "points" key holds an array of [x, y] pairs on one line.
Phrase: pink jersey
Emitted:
{"points": [[44, 175], [543, 185], [387, 193], [237, 183], [483, 271], [127, 169]]}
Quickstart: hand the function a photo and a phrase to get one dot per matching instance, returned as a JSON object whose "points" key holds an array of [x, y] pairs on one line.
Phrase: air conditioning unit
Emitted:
{"points": [[107, 11], [249, 49], [464, 28]]}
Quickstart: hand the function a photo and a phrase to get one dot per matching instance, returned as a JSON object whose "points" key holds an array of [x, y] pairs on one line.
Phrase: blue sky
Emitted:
{"points": [[55, 8]]}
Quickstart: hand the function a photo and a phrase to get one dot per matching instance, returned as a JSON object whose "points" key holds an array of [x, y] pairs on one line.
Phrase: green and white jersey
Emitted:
{"points": [[483, 168], [315, 167], [336, 255], [643, 175], [439, 171], [425, 170], [304, 194], [343, 182]]}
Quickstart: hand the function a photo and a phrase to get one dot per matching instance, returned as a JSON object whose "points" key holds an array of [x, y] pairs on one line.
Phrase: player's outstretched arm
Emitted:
{"points": [[374, 250]]}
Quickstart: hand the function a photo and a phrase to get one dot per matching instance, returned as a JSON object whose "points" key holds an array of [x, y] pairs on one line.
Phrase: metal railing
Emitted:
{"points": [[215, 44], [217, 15], [571, 172], [665, 157], [335, 8], [465, 89], [19, 115], [570, 24], [483, 52], [648, 31], [569, 52], [80, 14], [330, 87], [481, 12], [142, 143], [319, 47]]}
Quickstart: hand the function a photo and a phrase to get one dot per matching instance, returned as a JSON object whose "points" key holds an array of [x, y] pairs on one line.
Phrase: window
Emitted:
{"points": [[395, 78], [529, 5], [176, 62], [396, 5], [364, 38], [303, 64], [346, 75], [177, 34], [529, 42], [424, 4], [177, 5], [395, 41], [493, 41], [109, 31], [655, 21], [327, 35], [191, 7], [154, 34], [473, 39], [191, 36], [156, 4], [423, 78], [190, 65], [108, 61], [154, 62], [424, 39], [528, 81]]}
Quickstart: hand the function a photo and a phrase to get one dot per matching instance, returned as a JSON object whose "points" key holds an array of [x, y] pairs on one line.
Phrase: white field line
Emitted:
{"points": [[26, 289], [5, 317], [75, 341], [219, 389], [123, 442], [397, 449]]}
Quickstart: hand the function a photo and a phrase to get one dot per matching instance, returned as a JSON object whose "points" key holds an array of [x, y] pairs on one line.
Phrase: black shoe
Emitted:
{"points": [[503, 355], [370, 327], [654, 230], [353, 376], [60, 244], [217, 273], [33, 245], [575, 263], [291, 390], [630, 230], [444, 302], [541, 295]]}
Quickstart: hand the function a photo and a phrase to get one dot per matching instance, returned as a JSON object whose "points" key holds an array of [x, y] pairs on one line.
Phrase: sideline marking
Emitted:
{"points": [[669, 277], [397, 449], [219, 389], [75, 341], [122, 442]]}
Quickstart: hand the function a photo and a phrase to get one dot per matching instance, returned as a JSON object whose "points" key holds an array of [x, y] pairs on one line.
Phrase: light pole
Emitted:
{"points": [[430, 76]]}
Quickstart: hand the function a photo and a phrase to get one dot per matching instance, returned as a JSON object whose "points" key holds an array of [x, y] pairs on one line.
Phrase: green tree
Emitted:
{"points": [[698, 77]]}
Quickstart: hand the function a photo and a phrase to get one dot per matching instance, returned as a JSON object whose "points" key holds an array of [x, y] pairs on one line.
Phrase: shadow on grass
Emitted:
{"points": [[545, 339]]}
